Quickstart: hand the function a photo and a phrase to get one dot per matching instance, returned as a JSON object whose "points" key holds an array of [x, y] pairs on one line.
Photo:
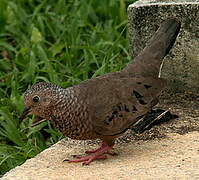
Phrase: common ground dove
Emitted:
{"points": [[106, 106]]}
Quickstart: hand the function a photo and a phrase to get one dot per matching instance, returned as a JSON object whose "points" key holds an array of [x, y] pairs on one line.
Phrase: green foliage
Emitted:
{"points": [[63, 42]]}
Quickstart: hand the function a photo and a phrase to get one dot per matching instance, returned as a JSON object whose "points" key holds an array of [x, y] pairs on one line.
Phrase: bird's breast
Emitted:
{"points": [[74, 121]]}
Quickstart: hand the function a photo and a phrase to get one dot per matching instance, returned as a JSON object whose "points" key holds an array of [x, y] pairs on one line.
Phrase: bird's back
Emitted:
{"points": [[117, 100]]}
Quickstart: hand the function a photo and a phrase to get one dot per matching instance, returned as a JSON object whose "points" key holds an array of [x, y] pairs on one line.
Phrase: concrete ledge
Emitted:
{"points": [[173, 158], [181, 67], [169, 151], [163, 2]]}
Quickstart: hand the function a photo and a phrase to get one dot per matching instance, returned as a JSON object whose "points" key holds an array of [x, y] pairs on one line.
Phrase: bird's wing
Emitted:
{"points": [[117, 103]]}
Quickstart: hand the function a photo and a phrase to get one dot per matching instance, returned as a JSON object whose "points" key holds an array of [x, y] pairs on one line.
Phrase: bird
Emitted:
{"points": [[106, 106]]}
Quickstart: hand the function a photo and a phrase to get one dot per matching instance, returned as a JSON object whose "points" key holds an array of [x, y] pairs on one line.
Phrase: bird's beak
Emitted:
{"points": [[26, 111], [37, 120]]}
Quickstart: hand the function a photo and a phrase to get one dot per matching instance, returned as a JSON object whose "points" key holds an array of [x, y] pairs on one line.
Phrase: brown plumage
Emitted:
{"points": [[106, 106]]}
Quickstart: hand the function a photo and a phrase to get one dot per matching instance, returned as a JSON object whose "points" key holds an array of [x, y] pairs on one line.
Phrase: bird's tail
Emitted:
{"points": [[149, 61]]}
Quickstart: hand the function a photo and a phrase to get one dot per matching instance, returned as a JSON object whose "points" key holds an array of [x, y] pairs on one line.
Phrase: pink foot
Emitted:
{"points": [[94, 155], [88, 159]]}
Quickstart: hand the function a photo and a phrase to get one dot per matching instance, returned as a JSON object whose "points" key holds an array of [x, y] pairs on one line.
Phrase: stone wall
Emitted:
{"points": [[181, 66]]}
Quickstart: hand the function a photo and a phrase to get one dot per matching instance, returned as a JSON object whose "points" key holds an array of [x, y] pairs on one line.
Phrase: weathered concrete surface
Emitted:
{"points": [[168, 151], [175, 157], [181, 67]]}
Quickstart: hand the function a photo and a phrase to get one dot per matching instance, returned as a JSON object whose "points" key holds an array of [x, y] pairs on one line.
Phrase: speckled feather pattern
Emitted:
{"points": [[68, 111], [106, 106]]}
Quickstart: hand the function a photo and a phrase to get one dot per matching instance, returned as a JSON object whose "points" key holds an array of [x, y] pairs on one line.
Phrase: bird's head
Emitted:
{"points": [[39, 100]]}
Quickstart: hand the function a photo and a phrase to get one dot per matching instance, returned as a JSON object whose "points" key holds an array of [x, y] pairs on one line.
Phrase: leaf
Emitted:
{"points": [[3, 7], [56, 48], [36, 36]]}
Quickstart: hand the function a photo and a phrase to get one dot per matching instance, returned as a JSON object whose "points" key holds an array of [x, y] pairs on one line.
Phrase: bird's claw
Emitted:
{"points": [[86, 160], [99, 153]]}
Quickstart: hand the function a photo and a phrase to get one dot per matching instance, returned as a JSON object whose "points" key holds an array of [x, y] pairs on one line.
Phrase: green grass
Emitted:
{"points": [[63, 42]]}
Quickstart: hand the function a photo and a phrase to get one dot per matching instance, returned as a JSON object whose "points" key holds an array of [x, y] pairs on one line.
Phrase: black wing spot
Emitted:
{"points": [[134, 109], [109, 119], [107, 123], [115, 112], [141, 101], [147, 86], [126, 108], [119, 106], [120, 115], [139, 83], [137, 94], [139, 97]]}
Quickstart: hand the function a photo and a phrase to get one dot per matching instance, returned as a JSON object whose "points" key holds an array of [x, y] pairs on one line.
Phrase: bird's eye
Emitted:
{"points": [[36, 99]]}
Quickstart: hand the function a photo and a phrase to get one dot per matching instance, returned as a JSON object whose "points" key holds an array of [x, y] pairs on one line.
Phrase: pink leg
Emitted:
{"points": [[100, 148], [94, 155]]}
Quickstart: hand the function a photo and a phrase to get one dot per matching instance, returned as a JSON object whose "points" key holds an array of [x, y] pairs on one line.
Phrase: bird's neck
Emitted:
{"points": [[65, 102], [63, 111]]}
